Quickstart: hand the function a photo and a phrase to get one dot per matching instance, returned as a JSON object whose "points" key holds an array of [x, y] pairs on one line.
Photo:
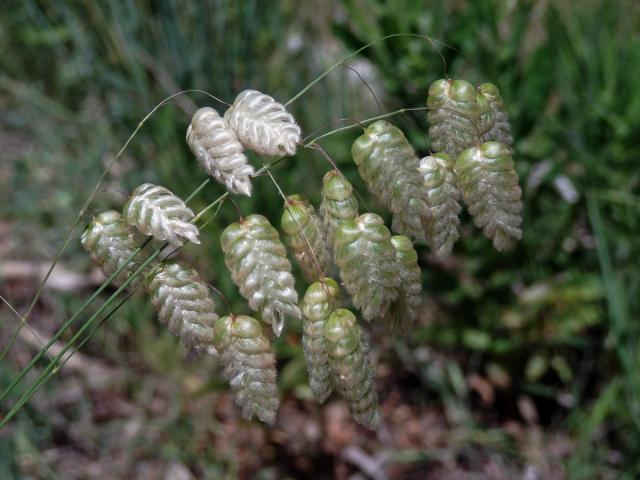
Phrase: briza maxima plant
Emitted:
{"points": [[472, 159]]}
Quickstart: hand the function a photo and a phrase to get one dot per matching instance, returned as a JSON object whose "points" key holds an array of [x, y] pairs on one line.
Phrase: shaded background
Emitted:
{"points": [[521, 365]]}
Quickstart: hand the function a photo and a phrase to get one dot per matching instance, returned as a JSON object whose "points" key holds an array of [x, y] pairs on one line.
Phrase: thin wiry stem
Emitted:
{"points": [[22, 320], [83, 211], [360, 123], [355, 52]]}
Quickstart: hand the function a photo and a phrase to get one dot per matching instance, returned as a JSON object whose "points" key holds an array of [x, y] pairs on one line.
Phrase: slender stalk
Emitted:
{"points": [[355, 52], [361, 123], [52, 366], [84, 209]]}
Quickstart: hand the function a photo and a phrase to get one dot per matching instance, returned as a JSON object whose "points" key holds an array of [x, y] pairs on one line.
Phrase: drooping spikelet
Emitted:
{"points": [[259, 266], [302, 232], [443, 197], [389, 166], [489, 184], [366, 259], [155, 211], [352, 373], [184, 304], [454, 116], [319, 301], [263, 125], [110, 242], [494, 121], [338, 204], [217, 148], [249, 366], [404, 309]]}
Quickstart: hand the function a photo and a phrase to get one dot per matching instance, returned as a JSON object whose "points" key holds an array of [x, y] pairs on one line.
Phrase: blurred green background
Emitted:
{"points": [[521, 365]]}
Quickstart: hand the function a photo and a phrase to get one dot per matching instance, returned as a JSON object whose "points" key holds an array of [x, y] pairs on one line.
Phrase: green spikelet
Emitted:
{"points": [[443, 197], [404, 309], [389, 166], [259, 266], [352, 373], [110, 242], [184, 304], [366, 259], [454, 116], [249, 366], [319, 301], [338, 204], [303, 233], [489, 184], [494, 121]]}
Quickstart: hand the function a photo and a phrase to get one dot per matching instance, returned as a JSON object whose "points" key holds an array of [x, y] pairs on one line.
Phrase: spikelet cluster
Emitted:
{"points": [[404, 309], [454, 116], [259, 266], [249, 366], [494, 119], [110, 242], [320, 299], [156, 211], [366, 258], [184, 304], [338, 204], [217, 148], [388, 164], [352, 373], [303, 233], [263, 125], [443, 197], [489, 184]]}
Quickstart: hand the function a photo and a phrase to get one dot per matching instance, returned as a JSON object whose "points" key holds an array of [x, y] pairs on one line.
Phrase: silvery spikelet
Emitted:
{"points": [[217, 148], [263, 125], [156, 211], [110, 242], [249, 365], [259, 266], [184, 304]]}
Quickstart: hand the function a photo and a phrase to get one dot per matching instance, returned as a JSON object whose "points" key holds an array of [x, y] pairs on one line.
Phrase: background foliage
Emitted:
{"points": [[521, 363]]}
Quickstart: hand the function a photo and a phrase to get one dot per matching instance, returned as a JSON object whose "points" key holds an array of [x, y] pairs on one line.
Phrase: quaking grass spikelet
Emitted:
{"points": [[352, 373], [489, 184], [304, 235], [454, 116], [495, 123], [249, 366], [263, 125], [156, 211], [367, 263], [110, 242], [184, 304], [443, 197], [259, 266], [217, 148], [320, 299], [389, 166], [404, 309], [339, 203]]}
